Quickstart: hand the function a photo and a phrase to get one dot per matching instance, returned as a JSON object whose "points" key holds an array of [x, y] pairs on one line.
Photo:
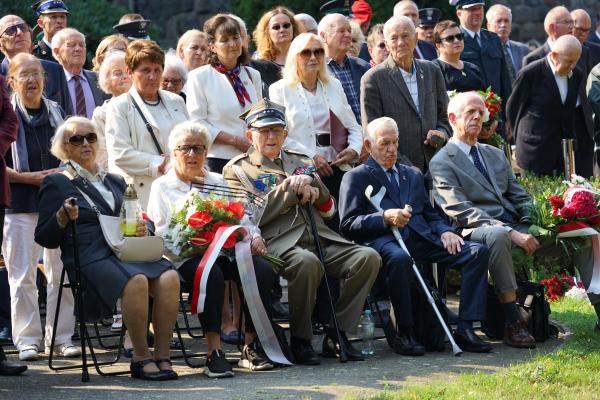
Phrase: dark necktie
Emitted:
{"points": [[509, 63], [416, 54], [478, 39], [394, 183], [80, 108], [506, 216]]}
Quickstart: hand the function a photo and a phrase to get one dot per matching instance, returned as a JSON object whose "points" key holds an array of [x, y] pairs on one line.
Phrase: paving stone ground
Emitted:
{"points": [[330, 380]]}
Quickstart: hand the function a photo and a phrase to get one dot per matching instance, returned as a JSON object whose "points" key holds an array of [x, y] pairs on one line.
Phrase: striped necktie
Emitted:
{"points": [[80, 108]]}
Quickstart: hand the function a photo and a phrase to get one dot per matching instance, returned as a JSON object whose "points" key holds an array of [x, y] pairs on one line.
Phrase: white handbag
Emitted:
{"points": [[129, 249]]}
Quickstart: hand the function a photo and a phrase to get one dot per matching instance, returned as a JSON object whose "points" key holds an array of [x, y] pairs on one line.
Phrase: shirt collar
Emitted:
{"points": [[464, 147], [471, 33], [553, 68], [343, 64], [413, 69], [69, 75], [87, 175]]}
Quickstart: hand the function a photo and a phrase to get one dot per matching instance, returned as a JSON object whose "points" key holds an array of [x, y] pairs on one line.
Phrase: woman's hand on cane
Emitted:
{"points": [[68, 212]]}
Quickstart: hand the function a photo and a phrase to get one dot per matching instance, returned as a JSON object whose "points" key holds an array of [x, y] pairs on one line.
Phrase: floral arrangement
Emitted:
{"points": [[557, 286], [194, 225]]}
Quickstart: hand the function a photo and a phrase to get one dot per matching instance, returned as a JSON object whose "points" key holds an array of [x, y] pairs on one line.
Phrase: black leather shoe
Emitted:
{"points": [[303, 352], [5, 336], [137, 371], [407, 346], [331, 348], [467, 340], [8, 368]]}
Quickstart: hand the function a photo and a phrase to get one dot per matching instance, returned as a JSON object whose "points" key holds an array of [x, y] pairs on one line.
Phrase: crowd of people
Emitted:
{"points": [[316, 115]]}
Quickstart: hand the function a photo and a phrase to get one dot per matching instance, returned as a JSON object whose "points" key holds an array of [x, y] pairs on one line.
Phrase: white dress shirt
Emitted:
{"points": [[561, 81]]}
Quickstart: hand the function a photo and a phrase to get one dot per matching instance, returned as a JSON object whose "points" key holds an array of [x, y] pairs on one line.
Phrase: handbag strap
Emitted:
{"points": [[85, 196], [148, 126]]}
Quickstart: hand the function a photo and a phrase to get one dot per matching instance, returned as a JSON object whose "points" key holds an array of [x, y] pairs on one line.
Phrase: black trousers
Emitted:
{"points": [[223, 270]]}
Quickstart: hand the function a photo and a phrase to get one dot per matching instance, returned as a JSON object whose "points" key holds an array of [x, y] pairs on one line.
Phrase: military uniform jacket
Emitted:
{"points": [[43, 51], [284, 220]]}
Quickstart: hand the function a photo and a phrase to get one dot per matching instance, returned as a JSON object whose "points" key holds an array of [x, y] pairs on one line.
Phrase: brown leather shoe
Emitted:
{"points": [[516, 335]]}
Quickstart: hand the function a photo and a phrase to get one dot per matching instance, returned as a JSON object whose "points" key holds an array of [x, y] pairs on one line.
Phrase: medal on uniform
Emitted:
{"points": [[265, 182]]}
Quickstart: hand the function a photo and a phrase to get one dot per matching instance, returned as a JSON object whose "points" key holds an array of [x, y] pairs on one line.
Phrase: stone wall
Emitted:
{"points": [[174, 17]]}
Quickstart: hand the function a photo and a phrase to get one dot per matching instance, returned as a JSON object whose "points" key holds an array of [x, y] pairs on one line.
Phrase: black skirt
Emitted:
{"points": [[103, 282]]}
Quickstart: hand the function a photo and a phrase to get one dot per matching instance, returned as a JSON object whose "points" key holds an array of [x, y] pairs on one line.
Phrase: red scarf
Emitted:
{"points": [[236, 82]]}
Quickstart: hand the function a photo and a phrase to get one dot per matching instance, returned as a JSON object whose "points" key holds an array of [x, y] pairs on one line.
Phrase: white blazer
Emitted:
{"points": [[212, 102], [131, 150], [300, 123]]}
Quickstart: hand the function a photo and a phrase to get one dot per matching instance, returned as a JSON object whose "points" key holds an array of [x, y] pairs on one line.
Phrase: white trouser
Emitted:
{"points": [[21, 255]]}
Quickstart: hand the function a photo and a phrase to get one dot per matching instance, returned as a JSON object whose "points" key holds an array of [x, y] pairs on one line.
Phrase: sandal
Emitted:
{"points": [[172, 375], [137, 371]]}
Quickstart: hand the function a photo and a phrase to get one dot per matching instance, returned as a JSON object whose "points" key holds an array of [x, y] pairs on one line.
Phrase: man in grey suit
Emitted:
{"points": [[410, 91], [475, 186], [499, 21]]}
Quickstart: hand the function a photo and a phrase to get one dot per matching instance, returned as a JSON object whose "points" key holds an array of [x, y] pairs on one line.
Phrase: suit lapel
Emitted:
{"points": [[420, 85], [96, 197], [93, 82], [380, 176], [489, 162], [149, 117], [398, 80], [547, 71], [404, 183], [463, 162], [172, 109]]}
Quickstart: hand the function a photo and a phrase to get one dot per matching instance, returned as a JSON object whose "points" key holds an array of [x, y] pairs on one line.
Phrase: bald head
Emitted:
{"points": [[582, 25], [16, 42], [407, 8], [558, 22], [565, 54], [398, 22], [337, 34]]}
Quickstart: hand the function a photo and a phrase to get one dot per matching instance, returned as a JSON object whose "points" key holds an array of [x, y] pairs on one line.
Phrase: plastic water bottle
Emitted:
{"points": [[367, 327]]}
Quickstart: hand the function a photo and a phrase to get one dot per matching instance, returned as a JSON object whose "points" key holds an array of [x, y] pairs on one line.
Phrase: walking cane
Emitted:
{"points": [[315, 233], [85, 376], [376, 201]]}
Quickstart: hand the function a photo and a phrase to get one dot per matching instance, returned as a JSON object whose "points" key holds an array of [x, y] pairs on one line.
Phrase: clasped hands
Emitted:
{"points": [[345, 156], [301, 185], [399, 217]]}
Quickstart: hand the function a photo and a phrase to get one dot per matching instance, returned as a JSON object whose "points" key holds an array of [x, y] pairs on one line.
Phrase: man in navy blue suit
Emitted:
{"points": [[424, 232]]}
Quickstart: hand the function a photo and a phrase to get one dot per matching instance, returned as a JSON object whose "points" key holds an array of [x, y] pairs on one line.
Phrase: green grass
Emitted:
{"points": [[571, 372]]}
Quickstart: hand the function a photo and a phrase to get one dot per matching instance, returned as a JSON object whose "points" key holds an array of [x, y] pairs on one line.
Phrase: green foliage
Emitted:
{"points": [[93, 18]]}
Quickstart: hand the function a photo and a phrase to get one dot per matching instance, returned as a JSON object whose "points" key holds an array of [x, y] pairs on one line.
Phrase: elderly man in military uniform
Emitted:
{"points": [[289, 182], [51, 17]]}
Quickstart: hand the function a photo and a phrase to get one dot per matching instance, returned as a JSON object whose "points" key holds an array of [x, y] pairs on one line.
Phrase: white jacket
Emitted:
{"points": [[300, 123], [212, 102], [131, 150]]}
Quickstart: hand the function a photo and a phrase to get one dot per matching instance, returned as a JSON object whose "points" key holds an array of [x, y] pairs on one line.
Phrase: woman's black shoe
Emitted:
{"points": [[172, 375], [331, 348], [137, 371]]}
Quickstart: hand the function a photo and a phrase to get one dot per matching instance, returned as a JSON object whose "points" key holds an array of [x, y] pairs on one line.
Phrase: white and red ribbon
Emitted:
{"points": [[243, 256], [581, 229]]}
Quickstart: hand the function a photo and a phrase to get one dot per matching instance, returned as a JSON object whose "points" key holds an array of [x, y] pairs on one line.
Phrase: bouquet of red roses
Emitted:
{"points": [[557, 286], [194, 226], [492, 102], [579, 202]]}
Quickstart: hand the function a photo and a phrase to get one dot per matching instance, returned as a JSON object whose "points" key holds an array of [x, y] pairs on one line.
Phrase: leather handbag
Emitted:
{"points": [[339, 133], [128, 249]]}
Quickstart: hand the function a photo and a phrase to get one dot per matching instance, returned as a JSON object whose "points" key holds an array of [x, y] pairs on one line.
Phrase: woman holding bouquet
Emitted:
{"points": [[189, 144], [107, 277]]}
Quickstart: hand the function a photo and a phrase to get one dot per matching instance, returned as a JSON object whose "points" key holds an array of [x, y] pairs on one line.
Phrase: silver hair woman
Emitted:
{"points": [[174, 74], [107, 278]]}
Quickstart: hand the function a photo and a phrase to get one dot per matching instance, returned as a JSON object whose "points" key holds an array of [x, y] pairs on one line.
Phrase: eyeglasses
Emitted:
{"points": [[308, 53], [449, 39], [285, 25], [566, 22], [186, 149], [13, 30], [24, 77], [582, 30], [77, 140], [172, 82], [117, 74]]}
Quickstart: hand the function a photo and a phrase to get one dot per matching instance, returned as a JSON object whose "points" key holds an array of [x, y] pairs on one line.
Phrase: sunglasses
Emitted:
{"points": [[13, 30], [308, 53], [277, 27], [77, 140], [449, 39], [186, 149]]}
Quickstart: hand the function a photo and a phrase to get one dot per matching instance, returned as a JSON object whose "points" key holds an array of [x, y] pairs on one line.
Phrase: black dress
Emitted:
{"points": [[465, 80], [104, 274]]}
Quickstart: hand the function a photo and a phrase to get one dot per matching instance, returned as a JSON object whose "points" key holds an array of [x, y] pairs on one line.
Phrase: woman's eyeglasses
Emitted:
{"points": [[171, 82], [285, 25], [308, 53], [13, 30], [449, 39], [77, 140], [187, 149]]}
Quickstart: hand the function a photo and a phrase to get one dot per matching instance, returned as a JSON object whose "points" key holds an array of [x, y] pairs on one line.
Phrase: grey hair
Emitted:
{"points": [[188, 128], [495, 9], [379, 124], [172, 61], [59, 38], [57, 147], [104, 71], [401, 20], [309, 22]]}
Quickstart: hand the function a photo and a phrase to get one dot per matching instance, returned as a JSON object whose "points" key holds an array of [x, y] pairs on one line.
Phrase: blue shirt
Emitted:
{"points": [[344, 74]]}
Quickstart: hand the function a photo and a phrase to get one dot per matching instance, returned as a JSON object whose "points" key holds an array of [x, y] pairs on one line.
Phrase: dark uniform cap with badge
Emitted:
{"points": [[466, 3], [49, 7], [134, 30], [429, 17], [336, 6], [264, 113]]}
